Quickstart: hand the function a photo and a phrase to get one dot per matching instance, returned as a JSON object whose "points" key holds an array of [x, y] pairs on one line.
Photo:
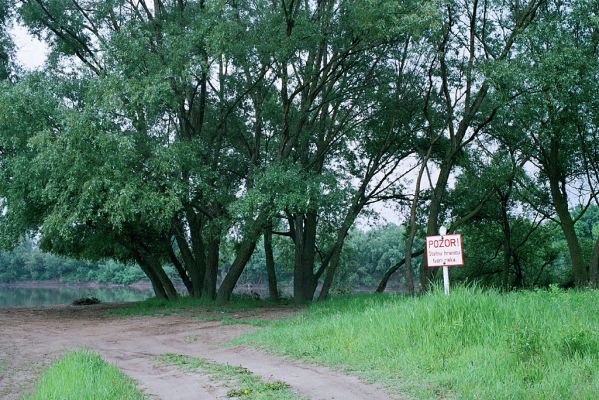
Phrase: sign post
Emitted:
{"points": [[446, 279], [444, 251]]}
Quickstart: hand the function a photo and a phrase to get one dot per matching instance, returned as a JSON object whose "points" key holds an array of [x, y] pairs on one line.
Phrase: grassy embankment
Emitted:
{"points": [[83, 375], [472, 344], [154, 306]]}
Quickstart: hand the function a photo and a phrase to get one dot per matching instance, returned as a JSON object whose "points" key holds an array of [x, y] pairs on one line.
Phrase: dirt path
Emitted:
{"points": [[31, 338]]}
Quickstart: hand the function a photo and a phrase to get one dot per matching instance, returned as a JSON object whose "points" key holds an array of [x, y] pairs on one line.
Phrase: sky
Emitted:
{"points": [[31, 53]]}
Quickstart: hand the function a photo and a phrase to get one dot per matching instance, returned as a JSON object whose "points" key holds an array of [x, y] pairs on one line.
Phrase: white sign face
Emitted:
{"points": [[444, 250]]}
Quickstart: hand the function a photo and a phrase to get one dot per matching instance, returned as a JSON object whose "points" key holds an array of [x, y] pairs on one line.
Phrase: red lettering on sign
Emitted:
{"points": [[444, 250]]}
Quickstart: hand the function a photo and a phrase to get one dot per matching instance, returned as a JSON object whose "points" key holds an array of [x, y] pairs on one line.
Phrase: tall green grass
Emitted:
{"points": [[83, 375], [472, 344]]}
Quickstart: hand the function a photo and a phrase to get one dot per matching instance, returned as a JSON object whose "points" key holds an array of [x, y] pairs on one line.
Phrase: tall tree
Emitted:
{"points": [[474, 37], [557, 101]]}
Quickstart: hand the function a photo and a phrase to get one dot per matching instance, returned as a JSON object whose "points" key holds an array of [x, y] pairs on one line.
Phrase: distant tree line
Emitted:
{"points": [[200, 134], [28, 263], [541, 259]]}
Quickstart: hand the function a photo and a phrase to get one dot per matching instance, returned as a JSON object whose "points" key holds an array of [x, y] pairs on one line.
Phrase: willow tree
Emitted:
{"points": [[475, 43], [150, 89], [555, 114], [170, 116]]}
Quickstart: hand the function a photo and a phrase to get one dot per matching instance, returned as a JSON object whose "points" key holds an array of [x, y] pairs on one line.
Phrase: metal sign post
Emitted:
{"points": [[446, 279], [443, 232]]}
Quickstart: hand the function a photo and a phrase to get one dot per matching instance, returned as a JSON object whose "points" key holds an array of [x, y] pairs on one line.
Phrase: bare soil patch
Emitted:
{"points": [[30, 338]]}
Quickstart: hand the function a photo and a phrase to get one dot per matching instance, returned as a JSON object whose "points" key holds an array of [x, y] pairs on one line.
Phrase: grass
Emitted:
{"points": [[83, 375], [154, 306], [473, 344], [243, 383]]}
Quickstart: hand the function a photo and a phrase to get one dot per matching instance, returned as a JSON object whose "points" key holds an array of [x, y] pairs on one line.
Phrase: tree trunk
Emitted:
{"points": [[194, 265], [160, 280], [273, 291], [332, 268], [159, 291], [432, 226], [180, 270], [243, 256], [507, 243], [304, 283], [335, 257], [519, 279], [412, 232], [169, 288], [244, 253], [211, 274], [560, 203]]}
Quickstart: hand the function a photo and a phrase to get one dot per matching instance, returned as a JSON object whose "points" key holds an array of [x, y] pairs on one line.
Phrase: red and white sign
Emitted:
{"points": [[444, 250]]}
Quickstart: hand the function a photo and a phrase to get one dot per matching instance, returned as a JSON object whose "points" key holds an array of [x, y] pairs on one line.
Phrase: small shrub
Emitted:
{"points": [[581, 342], [526, 342]]}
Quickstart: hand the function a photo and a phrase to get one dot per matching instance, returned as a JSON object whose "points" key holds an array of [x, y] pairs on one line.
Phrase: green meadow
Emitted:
{"points": [[472, 344]]}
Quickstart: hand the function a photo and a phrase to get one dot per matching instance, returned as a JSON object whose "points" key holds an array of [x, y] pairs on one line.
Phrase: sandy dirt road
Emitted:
{"points": [[31, 338]]}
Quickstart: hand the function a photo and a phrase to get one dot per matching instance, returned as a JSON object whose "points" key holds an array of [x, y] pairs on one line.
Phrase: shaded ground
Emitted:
{"points": [[31, 338]]}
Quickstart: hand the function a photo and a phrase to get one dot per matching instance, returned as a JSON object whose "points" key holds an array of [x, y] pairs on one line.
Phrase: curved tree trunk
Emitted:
{"points": [[335, 257], [385, 280], [228, 284], [244, 253], [180, 270], [193, 264], [161, 283], [159, 291], [167, 284], [332, 268], [560, 202]]}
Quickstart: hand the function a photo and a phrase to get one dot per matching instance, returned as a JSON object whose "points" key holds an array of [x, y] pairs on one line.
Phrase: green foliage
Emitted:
{"points": [[202, 123], [470, 344], [83, 375], [368, 254], [526, 342]]}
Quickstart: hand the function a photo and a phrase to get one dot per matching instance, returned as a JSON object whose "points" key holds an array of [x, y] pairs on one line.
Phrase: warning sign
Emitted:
{"points": [[444, 250]]}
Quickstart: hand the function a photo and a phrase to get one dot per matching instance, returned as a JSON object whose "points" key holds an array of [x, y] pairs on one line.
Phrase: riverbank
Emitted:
{"points": [[82, 284], [32, 294]]}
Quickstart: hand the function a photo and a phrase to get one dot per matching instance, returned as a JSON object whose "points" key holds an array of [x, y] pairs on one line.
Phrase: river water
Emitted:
{"points": [[40, 295]]}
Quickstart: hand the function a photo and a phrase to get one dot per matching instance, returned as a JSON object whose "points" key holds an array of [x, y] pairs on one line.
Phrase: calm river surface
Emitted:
{"points": [[33, 296]]}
